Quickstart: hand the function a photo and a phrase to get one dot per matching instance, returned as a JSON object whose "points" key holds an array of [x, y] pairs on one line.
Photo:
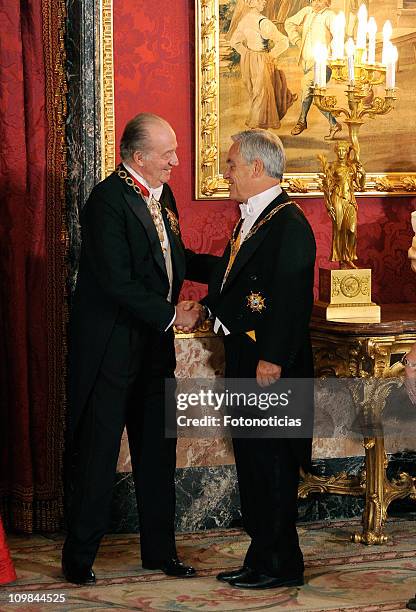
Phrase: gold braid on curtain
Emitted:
{"points": [[50, 514]]}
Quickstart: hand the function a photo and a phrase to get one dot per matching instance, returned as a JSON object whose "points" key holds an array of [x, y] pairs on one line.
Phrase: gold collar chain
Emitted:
{"points": [[155, 207], [124, 175], [265, 219]]}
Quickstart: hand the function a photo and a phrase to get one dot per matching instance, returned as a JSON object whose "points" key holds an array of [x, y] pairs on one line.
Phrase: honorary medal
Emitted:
{"points": [[255, 301], [173, 222]]}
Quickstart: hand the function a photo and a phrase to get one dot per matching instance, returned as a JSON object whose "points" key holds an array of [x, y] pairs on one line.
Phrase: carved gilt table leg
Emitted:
{"points": [[380, 492], [375, 510]]}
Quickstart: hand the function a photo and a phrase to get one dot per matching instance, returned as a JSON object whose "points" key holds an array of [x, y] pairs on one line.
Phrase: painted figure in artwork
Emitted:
{"points": [[341, 178], [279, 10], [259, 43], [311, 25]]}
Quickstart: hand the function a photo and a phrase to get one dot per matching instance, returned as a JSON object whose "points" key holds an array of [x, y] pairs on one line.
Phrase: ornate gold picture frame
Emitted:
{"points": [[388, 149], [108, 154]]}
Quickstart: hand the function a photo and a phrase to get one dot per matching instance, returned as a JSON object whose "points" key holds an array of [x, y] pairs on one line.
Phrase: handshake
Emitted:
{"points": [[189, 315]]}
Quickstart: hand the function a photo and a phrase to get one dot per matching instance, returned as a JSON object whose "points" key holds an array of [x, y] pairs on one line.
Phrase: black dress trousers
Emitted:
{"points": [[129, 391], [268, 477]]}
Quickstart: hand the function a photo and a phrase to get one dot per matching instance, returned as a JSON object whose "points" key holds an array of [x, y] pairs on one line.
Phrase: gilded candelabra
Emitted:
{"points": [[345, 294], [359, 94], [342, 177]]}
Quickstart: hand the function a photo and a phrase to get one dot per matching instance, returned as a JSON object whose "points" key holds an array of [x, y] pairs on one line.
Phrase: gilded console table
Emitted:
{"points": [[365, 350]]}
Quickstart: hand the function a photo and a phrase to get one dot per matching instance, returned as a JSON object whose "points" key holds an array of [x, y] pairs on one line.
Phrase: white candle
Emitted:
{"points": [[320, 55], [362, 27], [391, 68], [350, 47], [372, 31], [323, 66], [339, 36], [316, 67], [387, 32], [316, 72]]}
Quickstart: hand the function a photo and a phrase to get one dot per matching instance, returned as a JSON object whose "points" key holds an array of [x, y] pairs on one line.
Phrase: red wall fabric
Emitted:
{"points": [[154, 71]]}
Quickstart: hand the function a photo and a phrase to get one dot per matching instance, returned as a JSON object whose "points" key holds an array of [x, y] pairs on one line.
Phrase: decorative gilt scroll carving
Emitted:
{"points": [[108, 161], [338, 484], [203, 331], [209, 181], [371, 366]]}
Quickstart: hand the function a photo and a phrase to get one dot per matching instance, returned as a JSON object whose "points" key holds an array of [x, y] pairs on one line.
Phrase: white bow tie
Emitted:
{"points": [[246, 210]]}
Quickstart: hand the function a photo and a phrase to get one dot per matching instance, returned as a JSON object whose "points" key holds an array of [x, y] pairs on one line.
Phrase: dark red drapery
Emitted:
{"points": [[32, 163]]}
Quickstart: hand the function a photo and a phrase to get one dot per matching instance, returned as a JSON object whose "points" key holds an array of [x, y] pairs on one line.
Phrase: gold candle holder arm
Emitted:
{"points": [[379, 106], [371, 75], [328, 103]]}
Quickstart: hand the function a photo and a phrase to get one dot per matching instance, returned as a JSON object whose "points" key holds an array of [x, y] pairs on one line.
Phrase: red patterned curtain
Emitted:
{"points": [[32, 171]]}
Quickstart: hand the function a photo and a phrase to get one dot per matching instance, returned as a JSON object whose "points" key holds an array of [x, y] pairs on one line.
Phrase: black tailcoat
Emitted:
{"points": [[277, 263], [120, 354], [122, 272]]}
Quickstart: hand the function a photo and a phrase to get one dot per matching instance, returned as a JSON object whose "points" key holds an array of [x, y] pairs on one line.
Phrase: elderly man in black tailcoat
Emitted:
{"points": [[132, 266]]}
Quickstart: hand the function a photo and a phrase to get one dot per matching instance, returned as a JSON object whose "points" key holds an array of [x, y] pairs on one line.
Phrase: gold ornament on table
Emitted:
{"points": [[340, 178], [354, 64]]}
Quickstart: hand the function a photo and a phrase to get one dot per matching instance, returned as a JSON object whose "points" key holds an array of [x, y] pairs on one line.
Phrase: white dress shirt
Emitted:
{"points": [[250, 212], [156, 192]]}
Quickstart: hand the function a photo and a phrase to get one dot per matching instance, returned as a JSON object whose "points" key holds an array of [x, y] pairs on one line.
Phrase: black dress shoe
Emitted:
{"points": [[77, 575], [411, 604], [231, 574], [254, 580], [171, 567]]}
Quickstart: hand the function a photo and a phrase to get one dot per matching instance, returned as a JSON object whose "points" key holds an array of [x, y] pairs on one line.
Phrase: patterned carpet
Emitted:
{"points": [[340, 576]]}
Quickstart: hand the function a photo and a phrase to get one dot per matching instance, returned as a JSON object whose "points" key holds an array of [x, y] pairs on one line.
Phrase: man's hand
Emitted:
{"points": [[267, 373], [189, 314]]}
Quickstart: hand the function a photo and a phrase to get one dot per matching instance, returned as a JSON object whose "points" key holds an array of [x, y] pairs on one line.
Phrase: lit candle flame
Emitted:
{"points": [[387, 31], [362, 27], [339, 35]]}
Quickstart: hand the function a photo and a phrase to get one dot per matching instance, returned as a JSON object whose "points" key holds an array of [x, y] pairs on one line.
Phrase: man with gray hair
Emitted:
{"points": [[261, 297], [132, 266]]}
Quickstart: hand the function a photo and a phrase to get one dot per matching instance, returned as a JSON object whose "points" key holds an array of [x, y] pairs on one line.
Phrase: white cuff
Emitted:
{"points": [[218, 324], [171, 323]]}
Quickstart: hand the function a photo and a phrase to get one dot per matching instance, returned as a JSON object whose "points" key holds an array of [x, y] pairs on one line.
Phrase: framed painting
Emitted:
{"points": [[250, 73]]}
